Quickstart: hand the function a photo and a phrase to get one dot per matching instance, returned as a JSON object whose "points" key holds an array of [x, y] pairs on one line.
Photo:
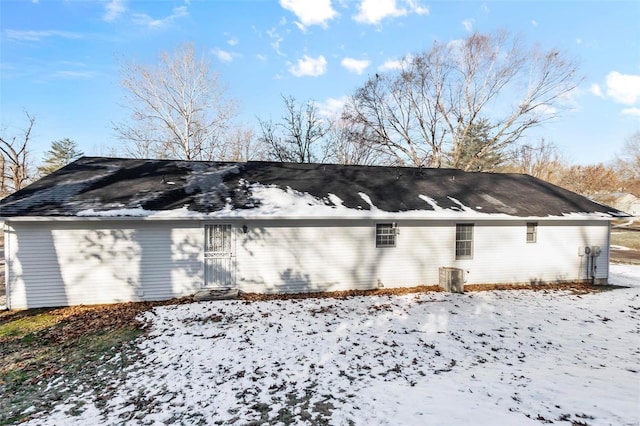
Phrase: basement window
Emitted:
{"points": [[464, 241], [385, 235], [532, 232]]}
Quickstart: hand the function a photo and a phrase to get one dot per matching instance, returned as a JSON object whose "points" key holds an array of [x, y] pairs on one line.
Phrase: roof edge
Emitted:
{"points": [[390, 218]]}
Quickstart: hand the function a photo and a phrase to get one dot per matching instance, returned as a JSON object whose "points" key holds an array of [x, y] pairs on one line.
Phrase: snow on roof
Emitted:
{"points": [[108, 187]]}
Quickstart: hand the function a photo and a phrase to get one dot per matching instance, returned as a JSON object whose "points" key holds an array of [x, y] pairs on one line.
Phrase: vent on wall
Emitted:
{"points": [[452, 279]]}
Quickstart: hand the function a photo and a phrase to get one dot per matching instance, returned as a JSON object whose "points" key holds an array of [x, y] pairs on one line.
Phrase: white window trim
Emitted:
{"points": [[534, 233], [392, 234], [470, 255]]}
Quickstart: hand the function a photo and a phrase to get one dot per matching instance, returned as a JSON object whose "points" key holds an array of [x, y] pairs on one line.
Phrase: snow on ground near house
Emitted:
{"points": [[483, 358]]}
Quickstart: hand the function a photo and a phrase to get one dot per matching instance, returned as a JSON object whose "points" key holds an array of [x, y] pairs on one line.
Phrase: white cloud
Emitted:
{"points": [[113, 10], [332, 107], [144, 20], [578, 41], [546, 109], [308, 66], [468, 24], [596, 90], [374, 11], [314, 12], [222, 55], [623, 88], [355, 65], [633, 112], [30, 35], [390, 65], [534, 23], [68, 74], [417, 8], [276, 39], [261, 57], [232, 41]]}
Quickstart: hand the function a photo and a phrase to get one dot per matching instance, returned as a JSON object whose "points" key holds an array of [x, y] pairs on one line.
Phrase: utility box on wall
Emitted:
{"points": [[452, 279]]}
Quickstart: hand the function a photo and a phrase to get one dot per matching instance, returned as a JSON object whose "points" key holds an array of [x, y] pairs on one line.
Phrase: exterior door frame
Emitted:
{"points": [[212, 256]]}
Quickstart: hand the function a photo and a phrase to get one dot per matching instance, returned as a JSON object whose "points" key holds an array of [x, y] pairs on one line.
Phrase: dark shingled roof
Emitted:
{"points": [[158, 185]]}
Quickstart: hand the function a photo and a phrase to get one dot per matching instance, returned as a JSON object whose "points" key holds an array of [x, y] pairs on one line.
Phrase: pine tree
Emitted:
{"points": [[62, 152], [478, 151]]}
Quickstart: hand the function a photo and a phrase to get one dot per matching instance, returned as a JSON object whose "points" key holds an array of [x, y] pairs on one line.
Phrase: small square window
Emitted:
{"points": [[532, 232], [464, 241], [385, 235]]}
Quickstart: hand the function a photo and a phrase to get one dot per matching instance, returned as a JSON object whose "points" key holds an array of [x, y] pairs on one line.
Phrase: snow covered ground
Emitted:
{"points": [[483, 358]]}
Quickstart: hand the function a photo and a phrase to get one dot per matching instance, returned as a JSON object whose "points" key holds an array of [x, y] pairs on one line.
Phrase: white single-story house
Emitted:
{"points": [[105, 230]]}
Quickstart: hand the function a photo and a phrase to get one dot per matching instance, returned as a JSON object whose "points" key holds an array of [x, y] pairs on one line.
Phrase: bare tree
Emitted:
{"points": [[242, 145], [589, 180], [346, 144], [422, 113], [14, 160], [541, 159], [298, 137], [628, 161], [178, 107]]}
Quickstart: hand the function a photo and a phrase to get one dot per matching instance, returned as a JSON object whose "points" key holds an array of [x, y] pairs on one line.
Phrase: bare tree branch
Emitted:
{"points": [[14, 160], [296, 138], [423, 113], [178, 107]]}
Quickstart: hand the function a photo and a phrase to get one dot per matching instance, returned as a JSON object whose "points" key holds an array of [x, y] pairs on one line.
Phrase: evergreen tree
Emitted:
{"points": [[478, 152], [62, 152]]}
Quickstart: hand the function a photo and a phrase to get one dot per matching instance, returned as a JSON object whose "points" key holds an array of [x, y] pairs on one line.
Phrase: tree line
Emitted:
{"points": [[467, 104]]}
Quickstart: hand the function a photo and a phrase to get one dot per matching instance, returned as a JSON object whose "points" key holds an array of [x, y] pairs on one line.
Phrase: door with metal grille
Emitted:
{"points": [[218, 256]]}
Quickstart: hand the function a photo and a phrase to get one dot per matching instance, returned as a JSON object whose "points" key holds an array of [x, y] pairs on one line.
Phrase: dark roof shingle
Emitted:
{"points": [[103, 184]]}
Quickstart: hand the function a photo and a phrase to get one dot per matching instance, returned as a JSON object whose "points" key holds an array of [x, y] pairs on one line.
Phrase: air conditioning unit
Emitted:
{"points": [[452, 279]]}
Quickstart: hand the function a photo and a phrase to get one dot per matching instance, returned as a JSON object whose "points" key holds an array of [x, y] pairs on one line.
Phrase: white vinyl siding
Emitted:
{"points": [[286, 256], [88, 262], [502, 255], [67, 263]]}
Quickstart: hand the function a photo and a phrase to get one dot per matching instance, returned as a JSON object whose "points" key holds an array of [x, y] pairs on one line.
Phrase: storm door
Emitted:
{"points": [[218, 255]]}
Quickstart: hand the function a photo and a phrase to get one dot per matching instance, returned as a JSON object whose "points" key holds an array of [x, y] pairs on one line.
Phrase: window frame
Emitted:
{"points": [[467, 228], [533, 233], [386, 234]]}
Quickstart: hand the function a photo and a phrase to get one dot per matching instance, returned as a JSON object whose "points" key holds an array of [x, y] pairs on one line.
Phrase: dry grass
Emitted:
{"points": [[629, 239], [70, 343], [575, 287]]}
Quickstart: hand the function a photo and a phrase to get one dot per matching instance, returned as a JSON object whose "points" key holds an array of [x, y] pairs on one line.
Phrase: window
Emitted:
{"points": [[532, 232], [464, 241], [385, 235]]}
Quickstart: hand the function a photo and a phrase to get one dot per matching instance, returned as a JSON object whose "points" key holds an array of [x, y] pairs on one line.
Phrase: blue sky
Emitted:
{"points": [[59, 58]]}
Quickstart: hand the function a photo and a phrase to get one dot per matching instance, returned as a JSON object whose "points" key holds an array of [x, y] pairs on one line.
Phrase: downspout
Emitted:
{"points": [[609, 253]]}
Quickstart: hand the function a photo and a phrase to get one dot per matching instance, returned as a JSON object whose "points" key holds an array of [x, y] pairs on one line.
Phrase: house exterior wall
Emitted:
{"points": [[72, 263], [279, 256], [89, 262]]}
